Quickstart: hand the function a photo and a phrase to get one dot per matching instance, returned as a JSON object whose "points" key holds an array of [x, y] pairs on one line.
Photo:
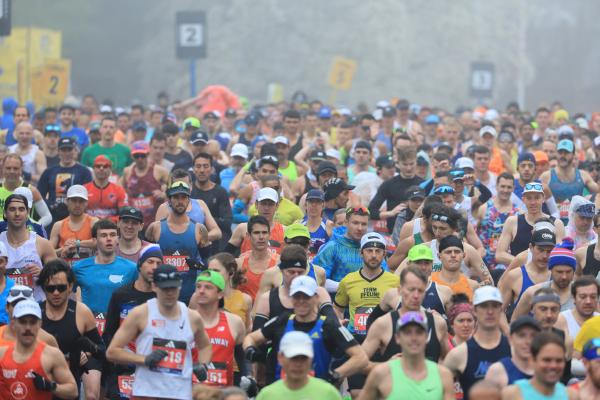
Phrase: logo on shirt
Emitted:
{"points": [[9, 373], [170, 344], [158, 323], [115, 278], [18, 391], [482, 369]]}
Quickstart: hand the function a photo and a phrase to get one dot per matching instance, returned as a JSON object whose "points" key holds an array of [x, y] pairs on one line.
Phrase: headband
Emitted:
{"points": [[293, 263], [542, 298], [457, 309]]}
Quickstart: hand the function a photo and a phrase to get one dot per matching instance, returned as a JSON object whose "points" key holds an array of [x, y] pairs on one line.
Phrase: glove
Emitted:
{"points": [[253, 354], [193, 264], [200, 372], [154, 358], [87, 346], [42, 383], [334, 378], [249, 384]]}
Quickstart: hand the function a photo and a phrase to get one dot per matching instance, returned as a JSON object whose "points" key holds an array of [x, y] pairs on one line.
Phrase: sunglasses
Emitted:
{"points": [[412, 317], [17, 292], [53, 288], [52, 128], [444, 190], [170, 276], [438, 217], [357, 211], [102, 166], [140, 155], [180, 184], [534, 186]]}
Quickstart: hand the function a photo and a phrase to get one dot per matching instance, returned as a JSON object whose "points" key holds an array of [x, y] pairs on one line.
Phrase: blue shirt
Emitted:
{"points": [[79, 134], [99, 281], [4, 320], [226, 176], [55, 181]]}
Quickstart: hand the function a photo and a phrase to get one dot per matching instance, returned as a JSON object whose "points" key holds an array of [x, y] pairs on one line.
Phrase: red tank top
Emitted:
{"points": [[275, 243], [220, 369], [16, 382], [252, 283], [139, 190]]}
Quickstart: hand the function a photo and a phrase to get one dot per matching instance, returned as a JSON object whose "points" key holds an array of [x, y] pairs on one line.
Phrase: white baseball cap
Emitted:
{"points": [[488, 129], [304, 284], [18, 292], [464, 162], [267, 194], [27, 307], [372, 237], [282, 140], [240, 150], [296, 343], [77, 191], [485, 294], [333, 153], [24, 191]]}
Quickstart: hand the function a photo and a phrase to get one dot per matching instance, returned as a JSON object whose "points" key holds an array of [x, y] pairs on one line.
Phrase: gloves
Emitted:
{"points": [[334, 378], [249, 384], [154, 358], [193, 264], [253, 354], [200, 372], [87, 346], [42, 383]]}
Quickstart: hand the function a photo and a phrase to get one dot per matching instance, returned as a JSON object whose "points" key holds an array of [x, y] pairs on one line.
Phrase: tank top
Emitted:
{"points": [[564, 191], [429, 388], [433, 349], [479, 361], [172, 377], [322, 358], [139, 189], [290, 172], [196, 213], [528, 391], [19, 384], [573, 326], [460, 286], [252, 283], [84, 233], [567, 305], [491, 229], [134, 256], [220, 368], [592, 265], [512, 371], [432, 300], [317, 238], [417, 231], [176, 247], [522, 237], [235, 304], [28, 158], [20, 257], [527, 283], [275, 243], [275, 305]]}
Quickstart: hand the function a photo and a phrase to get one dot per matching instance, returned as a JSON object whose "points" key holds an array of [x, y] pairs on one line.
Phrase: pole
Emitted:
{"points": [[193, 77]]}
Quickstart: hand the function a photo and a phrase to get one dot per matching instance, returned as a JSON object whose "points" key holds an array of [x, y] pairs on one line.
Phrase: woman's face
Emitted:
{"points": [[464, 325], [215, 265]]}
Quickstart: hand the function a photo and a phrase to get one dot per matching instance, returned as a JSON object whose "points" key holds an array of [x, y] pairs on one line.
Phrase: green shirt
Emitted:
{"points": [[119, 154], [315, 389]]}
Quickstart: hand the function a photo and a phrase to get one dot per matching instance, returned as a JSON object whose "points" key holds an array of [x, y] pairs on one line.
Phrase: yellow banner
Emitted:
{"points": [[50, 83], [341, 73]]}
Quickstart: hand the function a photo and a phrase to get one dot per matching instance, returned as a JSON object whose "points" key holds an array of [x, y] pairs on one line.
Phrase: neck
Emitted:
{"points": [[105, 258], [413, 362], [178, 218], [487, 335], [541, 387], [50, 152], [203, 185], [25, 146], [17, 234], [564, 170], [59, 309], [502, 203], [370, 273], [142, 285], [65, 127], [310, 317], [296, 384], [482, 175], [523, 363], [107, 142], [171, 311], [134, 242], [208, 312], [259, 254], [25, 349], [314, 220], [67, 164], [77, 218], [101, 183], [533, 216], [450, 276], [589, 388], [11, 185], [405, 176]]}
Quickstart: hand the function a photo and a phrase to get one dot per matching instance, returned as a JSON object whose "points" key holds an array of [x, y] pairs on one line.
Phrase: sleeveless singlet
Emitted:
{"points": [[139, 189], [290, 172], [573, 326], [592, 265], [196, 213], [20, 257], [512, 371], [564, 191], [528, 391], [491, 229], [275, 305], [28, 158], [479, 361], [220, 368], [569, 304], [84, 233], [437, 263], [432, 300], [433, 349], [527, 283], [235, 304], [172, 377], [134, 256], [417, 231], [252, 283], [176, 248], [461, 286], [429, 388], [317, 238], [275, 242], [522, 237], [19, 385]]}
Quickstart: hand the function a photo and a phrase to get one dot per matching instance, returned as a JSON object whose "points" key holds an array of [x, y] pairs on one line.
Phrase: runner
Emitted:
{"points": [[287, 168], [584, 291], [589, 388], [105, 198], [337, 196], [68, 127], [579, 227], [588, 257], [451, 254], [117, 153], [319, 227], [131, 223], [34, 161], [164, 332], [287, 211]]}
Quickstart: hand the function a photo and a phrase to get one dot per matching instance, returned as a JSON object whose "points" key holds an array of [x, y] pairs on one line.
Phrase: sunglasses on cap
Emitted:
{"points": [[52, 128], [179, 184], [102, 166], [17, 292], [438, 217], [53, 288], [444, 190], [168, 276], [140, 155], [357, 211], [412, 317], [534, 186]]}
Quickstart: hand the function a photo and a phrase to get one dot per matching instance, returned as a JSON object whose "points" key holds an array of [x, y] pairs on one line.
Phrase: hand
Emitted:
{"points": [[334, 378], [200, 372], [158, 195], [33, 269], [42, 383], [396, 210], [87, 346], [249, 384], [253, 354], [154, 358]]}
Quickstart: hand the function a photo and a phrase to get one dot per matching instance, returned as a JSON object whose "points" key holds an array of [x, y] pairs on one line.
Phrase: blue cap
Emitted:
{"points": [[566, 145], [252, 119], [315, 194], [139, 126], [325, 113], [526, 157], [432, 119]]}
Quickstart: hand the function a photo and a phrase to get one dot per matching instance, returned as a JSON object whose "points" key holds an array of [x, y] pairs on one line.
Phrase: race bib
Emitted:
{"points": [[178, 262], [20, 277], [563, 209], [380, 226], [100, 322], [174, 361], [125, 383], [360, 319], [143, 203], [217, 374]]}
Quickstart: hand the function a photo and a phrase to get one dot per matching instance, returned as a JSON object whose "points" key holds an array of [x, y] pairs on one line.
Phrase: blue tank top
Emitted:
{"points": [[479, 361], [432, 300], [176, 247], [311, 271], [196, 214], [527, 282], [565, 190], [322, 358], [528, 392], [317, 238], [512, 372]]}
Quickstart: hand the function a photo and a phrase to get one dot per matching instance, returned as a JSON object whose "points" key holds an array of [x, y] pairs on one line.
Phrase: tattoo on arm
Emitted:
{"points": [[203, 234]]}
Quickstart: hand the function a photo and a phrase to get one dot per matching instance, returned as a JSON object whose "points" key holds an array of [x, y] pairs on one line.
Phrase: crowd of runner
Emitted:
{"points": [[218, 250]]}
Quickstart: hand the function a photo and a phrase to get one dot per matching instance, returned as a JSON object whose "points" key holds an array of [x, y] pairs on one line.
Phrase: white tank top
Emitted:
{"points": [[417, 226], [437, 263], [172, 378], [28, 158], [19, 258], [573, 326]]}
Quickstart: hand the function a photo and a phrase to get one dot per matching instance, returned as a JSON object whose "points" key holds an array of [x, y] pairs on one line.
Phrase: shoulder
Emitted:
{"points": [[234, 320], [511, 392]]}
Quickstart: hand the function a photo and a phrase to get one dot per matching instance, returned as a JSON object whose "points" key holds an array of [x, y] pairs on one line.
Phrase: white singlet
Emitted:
{"points": [[20, 257]]}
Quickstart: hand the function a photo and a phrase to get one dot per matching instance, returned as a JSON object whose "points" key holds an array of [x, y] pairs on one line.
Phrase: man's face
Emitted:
{"points": [[549, 148], [441, 166], [58, 289], [123, 122], [158, 149], [343, 135], [282, 151], [549, 364], [179, 203], [505, 188], [482, 162], [441, 229], [407, 167], [582, 224], [66, 117], [325, 176], [167, 296], [12, 169], [141, 160], [311, 122], [451, 258], [210, 124], [543, 120], [136, 114], [565, 158], [266, 169], [51, 140], [107, 240], [562, 276], [88, 105], [303, 304], [314, 207], [342, 199], [238, 162], [540, 255], [296, 368], [102, 171], [593, 371], [155, 119], [16, 214], [202, 169], [259, 237], [291, 125], [488, 314], [266, 208], [76, 206], [533, 201], [362, 156], [207, 293], [586, 300], [412, 290], [288, 275], [26, 329], [21, 114], [424, 265], [357, 226], [24, 133], [107, 130], [520, 341], [388, 172], [452, 133], [412, 339], [129, 228], [526, 171], [171, 140], [546, 313], [372, 257], [527, 132]]}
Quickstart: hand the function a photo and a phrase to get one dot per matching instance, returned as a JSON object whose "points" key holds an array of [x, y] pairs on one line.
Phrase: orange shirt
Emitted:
{"points": [[18, 384], [275, 242], [252, 283], [461, 286]]}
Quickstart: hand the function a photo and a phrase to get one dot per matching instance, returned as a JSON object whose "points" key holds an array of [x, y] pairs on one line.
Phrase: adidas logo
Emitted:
{"points": [[176, 253], [170, 344], [315, 335], [297, 264]]}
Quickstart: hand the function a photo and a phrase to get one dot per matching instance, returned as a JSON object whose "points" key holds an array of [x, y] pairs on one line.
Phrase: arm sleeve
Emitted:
{"points": [[376, 313], [269, 329], [331, 285], [327, 310], [112, 320], [552, 207], [485, 193], [427, 186], [377, 201], [231, 249], [338, 334], [42, 185], [240, 359], [94, 336], [259, 321], [42, 209]]}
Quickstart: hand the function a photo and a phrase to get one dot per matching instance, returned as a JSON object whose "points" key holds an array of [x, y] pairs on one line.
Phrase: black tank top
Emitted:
{"points": [[479, 361], [433, 349], [432, 300], [295, 148], [523, 236], [592, 266], [275, 306]]}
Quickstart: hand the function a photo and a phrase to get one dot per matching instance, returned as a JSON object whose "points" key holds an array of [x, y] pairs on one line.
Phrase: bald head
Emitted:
{"points": [[24, 133]]}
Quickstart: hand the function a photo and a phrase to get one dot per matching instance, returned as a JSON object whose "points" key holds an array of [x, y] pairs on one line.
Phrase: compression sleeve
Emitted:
{"points": [[331, 285], [485, 193], [231, 249], [44, 212], [552, 207], [376, 313], [259, 321]]}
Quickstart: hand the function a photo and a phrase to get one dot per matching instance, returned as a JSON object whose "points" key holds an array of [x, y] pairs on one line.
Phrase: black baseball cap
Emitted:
{"points": [[523, 321], [363, 144], [315, 194], [131, 213], [199, 136], [231, 112], [543, 237], [334, 187], [403, 105], [326, 166], [384, 161], [389, 111], [415, 192], [252, 119], [66, 142], [318, 155], [166, 276]]}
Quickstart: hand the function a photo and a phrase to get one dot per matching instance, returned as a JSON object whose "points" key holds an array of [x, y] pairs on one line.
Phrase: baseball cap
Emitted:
{"points": [[268, 159], [19, 292], [166, 276], [25, 191], [373, 239], [411, 318], [77, 191], [415, 192], [281, 140], [131, 213], [363, 144], [422, 158], [591, 350], [506, 137], [403, 105], [325, 113], [587, 209], [178, 187], [326, 166], [389, 111], [94, 126], [252, 119], [582, 123], [213, 277], [296, 343], [105, 108], [296, 230], [267, 194], [315, 194], [139, 147], [139, 126], [565, 130], [420, 252], [543, 237], [66, 142], [333, 153], [567, 145], [489, 130], [198, 137], [102, 160], [318, 155], [239, 150], [457, 174], [191, 122], [231, 112], [432, 119], [540, 157], [27, 307], [304, 284], [526, 157], [523, 321], [212, 114], [384, 161], [53, 128], [334, 187], [485, 294]]}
